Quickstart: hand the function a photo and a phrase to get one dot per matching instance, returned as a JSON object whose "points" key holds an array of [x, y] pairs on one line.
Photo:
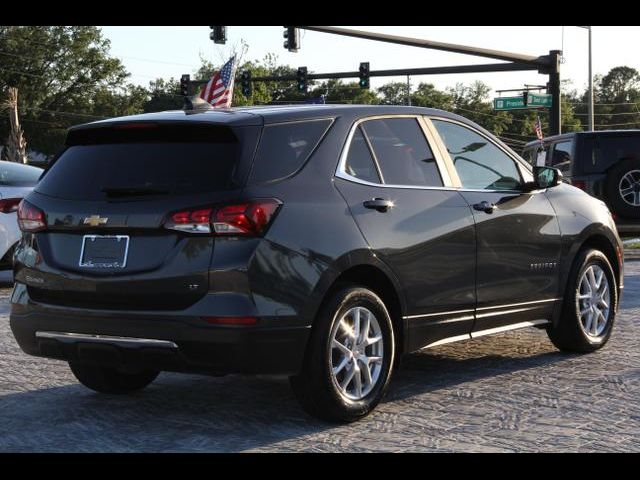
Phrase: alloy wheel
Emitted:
{"points": [[593, 301], [357, 352]]}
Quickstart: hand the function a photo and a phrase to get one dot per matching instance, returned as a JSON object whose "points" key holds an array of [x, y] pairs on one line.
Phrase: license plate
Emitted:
{"points": [[104, 251]]}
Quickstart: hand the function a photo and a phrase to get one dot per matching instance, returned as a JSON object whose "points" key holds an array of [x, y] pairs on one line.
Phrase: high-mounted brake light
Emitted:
{"points": [[30, 218], [136, 126], [9, 205], [249, 218]]}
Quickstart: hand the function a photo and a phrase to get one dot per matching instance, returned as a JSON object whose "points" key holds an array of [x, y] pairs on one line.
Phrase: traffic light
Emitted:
{"points": [[364, 75], [292, 42], [218, 34], [246, 83], [185, 80], [302, 79]]}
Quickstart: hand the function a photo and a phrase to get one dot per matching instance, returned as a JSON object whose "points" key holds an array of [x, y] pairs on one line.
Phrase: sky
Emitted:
{"points": [[150, 52]]}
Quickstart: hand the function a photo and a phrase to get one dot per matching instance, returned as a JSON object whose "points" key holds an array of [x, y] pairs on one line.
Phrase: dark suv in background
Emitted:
{"points": [[320, 242], [605, 164]]}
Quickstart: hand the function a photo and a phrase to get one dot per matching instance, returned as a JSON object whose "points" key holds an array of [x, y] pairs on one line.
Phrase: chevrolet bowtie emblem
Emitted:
{"points": [[95, 220]]}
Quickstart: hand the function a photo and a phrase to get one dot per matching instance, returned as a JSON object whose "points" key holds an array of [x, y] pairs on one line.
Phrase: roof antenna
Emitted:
{"points": [[195, 104]]}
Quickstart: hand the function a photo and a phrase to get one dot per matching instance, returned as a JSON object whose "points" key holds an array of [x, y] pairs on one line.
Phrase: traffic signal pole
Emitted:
{"points": [[555, 113], [545, 64]]}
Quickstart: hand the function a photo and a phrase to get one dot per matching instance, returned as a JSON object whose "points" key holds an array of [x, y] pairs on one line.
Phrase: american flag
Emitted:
{"points": [[219, 90], [539, 129]]}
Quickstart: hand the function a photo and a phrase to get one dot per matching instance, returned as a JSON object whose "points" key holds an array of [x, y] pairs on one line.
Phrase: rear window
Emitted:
{"points": [[285, 147], [17, 175], [105, 163]]}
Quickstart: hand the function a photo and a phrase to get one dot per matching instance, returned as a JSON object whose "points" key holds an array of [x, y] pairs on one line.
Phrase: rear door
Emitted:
{"points": [[107, 199], [518, 237], [401, 196]]}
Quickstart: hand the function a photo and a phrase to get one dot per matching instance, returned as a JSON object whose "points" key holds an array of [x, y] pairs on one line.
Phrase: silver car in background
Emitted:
{"points": [[16, 181]]}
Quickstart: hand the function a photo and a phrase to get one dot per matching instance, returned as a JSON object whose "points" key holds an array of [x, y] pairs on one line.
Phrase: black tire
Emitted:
{"points": [[111, 380], [614, 178], [314, 386], [568, 334]]}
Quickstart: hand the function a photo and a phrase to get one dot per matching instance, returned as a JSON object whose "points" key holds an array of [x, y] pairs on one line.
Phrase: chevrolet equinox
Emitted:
{"points": [[319, 242]]}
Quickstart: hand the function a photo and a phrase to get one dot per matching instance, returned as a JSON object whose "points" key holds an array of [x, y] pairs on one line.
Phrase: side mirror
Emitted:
{"points": [[545, 177]]}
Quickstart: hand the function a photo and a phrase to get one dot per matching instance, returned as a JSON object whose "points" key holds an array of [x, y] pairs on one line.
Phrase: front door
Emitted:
{"points": [[518, 237], [402, 201]]}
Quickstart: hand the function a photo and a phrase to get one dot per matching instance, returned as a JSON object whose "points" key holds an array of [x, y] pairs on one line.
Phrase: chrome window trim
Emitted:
{"points": [[436, 145], [440, 163]]}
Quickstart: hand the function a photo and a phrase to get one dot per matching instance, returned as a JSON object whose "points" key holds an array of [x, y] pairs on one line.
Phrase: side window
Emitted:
{"points": [[561, 156], [402, 152], [285, 147], [360, 163], [480, 164]]}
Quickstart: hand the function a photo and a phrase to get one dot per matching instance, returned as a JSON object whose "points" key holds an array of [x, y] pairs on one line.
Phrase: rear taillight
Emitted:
{"points": [[249, 218], [9, 205], [30, 218], [192, 221]]}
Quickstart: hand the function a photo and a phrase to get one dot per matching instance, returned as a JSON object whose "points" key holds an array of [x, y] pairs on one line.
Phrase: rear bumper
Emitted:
{"points": [[159, 342]]}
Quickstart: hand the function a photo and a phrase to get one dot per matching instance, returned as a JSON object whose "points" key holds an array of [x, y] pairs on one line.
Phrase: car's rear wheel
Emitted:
{"points": [[349, 358], [110, 379], [623, 188], [589, 305]]}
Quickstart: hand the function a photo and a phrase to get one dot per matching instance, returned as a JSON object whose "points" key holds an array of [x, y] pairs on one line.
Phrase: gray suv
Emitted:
{"points": [[319, 242]]}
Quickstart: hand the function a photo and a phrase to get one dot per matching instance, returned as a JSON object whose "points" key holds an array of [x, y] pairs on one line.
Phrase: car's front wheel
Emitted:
{"points": [[111, 380], [589, 305], [349, 359]]}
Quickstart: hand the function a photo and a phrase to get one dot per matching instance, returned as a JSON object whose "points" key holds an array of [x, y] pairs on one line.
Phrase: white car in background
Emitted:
{"points": [[16, 181]]}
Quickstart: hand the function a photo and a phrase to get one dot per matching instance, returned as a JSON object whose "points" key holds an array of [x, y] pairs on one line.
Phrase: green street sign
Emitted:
{"points": [[538, 100], [509, 103]]}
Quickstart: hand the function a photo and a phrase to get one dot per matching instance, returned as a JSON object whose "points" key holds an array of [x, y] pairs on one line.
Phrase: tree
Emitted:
{"points": [[426, 95], [163, 95], [60, 71], [473, 102], [393, 93]]}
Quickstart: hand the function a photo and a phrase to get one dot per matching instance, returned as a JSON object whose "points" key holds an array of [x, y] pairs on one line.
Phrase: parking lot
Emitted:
{"points": [[511, 392]]}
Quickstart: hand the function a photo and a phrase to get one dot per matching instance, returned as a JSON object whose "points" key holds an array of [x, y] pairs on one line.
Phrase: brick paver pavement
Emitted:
{"points": [[510, 392]]}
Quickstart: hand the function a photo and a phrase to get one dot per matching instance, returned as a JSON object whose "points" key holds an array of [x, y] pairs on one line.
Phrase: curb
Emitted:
{"points": [[632, 255]]}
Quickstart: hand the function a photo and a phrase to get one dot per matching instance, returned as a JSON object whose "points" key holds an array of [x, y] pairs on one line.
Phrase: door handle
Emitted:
{"points": [[379, 204], [484, 206]]}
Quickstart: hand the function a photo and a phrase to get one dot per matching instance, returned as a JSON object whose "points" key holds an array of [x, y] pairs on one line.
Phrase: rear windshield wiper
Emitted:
{"points": [[133, 191]]}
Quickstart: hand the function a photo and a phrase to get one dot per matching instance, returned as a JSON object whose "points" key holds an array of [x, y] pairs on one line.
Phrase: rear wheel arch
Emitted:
{"points": [[382, 284]]}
